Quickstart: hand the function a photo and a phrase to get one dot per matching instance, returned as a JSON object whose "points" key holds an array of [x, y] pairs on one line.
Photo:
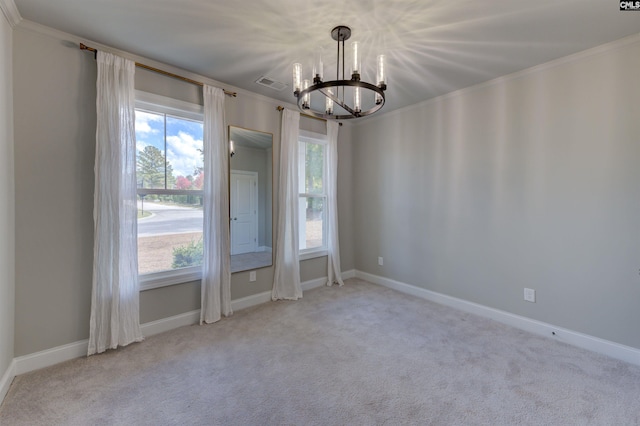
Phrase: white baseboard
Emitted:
{"points": [[249, 301], [7, 378], [257, 299], [318, 282], [585, 341], [49, 357], [166, 324], [349, 274]]}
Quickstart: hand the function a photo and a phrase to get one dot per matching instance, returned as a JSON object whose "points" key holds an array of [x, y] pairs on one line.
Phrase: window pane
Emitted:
{"points": [[311, 222], [150, 161], [169, 156], [184, 154], [169, 232], [313, 168]]}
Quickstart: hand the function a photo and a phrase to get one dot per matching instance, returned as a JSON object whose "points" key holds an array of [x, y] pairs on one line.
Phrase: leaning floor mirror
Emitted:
{"points": [[250, 195]]}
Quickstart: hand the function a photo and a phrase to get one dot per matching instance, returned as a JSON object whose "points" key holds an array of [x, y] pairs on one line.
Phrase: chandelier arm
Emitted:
{"points": [[341, 83], [338, 101]]}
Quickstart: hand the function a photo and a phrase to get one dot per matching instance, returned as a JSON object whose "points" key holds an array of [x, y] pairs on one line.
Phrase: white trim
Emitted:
{"points": [[48, 357], [12, 14], [167, 278], [307, 136], [7, 379], [315, 283], [264, 297], [187, 275], [249, 301], [348, 274], [165, 324], [165, 105], [584, 341], [312, 253]]}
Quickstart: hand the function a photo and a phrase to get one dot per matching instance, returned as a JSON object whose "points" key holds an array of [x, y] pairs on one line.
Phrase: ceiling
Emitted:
{"points": [[432, 46]]}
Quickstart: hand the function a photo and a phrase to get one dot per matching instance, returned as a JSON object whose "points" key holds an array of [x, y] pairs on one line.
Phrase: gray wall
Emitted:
{"points": [[345, 198], [54, 157], [54, 108], [530, 181], [7, 218]]}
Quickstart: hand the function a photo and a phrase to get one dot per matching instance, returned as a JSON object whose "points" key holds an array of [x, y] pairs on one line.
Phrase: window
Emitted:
{"points": [[169, 175], [313, 197]]}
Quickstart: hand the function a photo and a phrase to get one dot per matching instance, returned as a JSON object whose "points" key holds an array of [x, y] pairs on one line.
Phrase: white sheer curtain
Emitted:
{"points": [[216, 265], [115, 298], [286, 279], [333, 245]]}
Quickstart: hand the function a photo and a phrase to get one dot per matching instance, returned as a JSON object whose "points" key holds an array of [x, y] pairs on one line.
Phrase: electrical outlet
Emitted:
{"points": [[380, 262], [530, 295], [252, 276]]}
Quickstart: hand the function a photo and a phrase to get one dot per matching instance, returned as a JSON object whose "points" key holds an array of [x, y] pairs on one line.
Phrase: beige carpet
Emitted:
{"points": [[356, 355]]}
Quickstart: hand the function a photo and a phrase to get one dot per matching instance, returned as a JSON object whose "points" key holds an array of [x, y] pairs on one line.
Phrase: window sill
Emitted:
{"points": [[182, 276], [306, 255], [167, 278]]}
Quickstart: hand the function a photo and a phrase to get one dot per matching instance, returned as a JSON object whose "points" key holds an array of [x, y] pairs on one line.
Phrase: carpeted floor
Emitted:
{"points": [[357, 355]]}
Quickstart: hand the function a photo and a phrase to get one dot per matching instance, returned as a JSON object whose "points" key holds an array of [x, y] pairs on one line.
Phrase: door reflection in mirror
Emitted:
{"points": [[250, 197]]}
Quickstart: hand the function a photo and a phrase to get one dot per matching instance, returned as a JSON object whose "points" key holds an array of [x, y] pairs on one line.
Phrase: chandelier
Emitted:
{"points": [[334, 90]]}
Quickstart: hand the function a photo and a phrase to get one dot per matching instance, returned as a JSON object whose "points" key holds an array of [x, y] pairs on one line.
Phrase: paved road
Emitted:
{"points": [[169, 220]]}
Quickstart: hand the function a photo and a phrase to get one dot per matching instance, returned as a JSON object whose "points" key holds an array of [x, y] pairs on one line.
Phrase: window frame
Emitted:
{"points": [[319, 139], [180, 109]]}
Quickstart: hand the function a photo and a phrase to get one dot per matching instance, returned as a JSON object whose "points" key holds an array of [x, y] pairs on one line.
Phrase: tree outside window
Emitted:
{"points": [[169, 175]]}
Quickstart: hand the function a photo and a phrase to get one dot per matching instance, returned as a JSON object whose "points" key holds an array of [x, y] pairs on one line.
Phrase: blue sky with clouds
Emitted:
{"points": [[183, 139]]}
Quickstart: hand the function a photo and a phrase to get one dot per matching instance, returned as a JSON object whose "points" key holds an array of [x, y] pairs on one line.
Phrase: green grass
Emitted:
{"points": [[142, 214]]}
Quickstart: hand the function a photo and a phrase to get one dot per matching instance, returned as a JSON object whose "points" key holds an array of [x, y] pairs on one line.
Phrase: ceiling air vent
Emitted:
{"points": [[271, 83]]}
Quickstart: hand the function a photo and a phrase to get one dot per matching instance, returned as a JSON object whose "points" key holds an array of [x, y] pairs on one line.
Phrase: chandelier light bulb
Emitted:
{"points": [[381, 77], [297, 78], [355, 63], [307, 98], [318, 67], [357, 102], [328, 103]]}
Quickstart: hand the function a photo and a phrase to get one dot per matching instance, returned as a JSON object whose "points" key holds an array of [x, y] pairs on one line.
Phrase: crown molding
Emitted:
{"points": [[11, 12]]}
